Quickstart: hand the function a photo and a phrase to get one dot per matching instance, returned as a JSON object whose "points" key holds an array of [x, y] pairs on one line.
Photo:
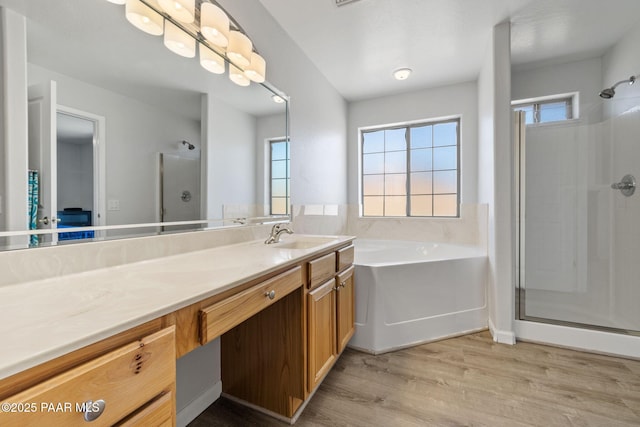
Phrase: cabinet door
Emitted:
{"points": [[322, 331], [345, 295]]}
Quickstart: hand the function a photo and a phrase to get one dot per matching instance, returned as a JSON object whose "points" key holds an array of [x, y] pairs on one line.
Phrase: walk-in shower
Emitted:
{"points": [[578, 261]]}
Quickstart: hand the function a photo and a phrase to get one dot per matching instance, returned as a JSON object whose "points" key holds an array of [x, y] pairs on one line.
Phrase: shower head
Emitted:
{"points": [[610, 92], [189, 145]]}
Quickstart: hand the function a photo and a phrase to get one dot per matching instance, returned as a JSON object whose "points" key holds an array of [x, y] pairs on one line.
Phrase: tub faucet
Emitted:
{"points": [[276, 231]]}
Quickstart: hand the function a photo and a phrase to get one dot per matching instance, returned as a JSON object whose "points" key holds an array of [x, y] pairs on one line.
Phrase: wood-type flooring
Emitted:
{"points": [[464, 381]]}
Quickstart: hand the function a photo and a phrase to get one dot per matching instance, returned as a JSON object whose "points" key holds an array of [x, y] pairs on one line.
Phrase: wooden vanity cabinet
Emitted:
{"points": [[131, 385], [345, 308], [331, 317], [321, 309]]}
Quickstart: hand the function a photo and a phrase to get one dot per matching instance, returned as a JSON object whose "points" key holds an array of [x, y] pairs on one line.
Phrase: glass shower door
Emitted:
{"points": [[578, 244]]}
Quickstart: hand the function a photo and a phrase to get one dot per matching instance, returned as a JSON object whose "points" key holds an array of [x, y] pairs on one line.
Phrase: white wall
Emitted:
{"points": [[135, 133], [75, 175], [318, 112], [231, 157], [620, 62], [14, 121], [583, 76], [495, 186]]}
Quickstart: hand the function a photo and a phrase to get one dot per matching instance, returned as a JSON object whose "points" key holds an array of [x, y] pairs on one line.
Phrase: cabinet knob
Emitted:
{"points": [[343, 284], [93, 410], [271, 294]]}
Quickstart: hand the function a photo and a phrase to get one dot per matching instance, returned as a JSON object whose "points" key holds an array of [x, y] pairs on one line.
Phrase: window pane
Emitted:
{"points": [[445, 134], [279, 206], [395, 185], [553, 112], [279, 169], [279, 188], [395, 206], [278, 150], [373, 142], [421, 206], [394, 139], [528, 113], [373, 163], [445, 158], [445, 182], [421, 159], [445, 205], [373, 185], [373, 206], [396, 162], [421, 183], [421, 137]]}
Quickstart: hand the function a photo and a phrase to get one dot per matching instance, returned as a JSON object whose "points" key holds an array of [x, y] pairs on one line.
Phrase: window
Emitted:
{"points": [[279, 177], [546, 109], [411, 170]]}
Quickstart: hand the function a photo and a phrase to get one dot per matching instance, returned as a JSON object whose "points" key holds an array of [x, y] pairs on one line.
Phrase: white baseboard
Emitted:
{"points": [[198, 405], [502, 337]]}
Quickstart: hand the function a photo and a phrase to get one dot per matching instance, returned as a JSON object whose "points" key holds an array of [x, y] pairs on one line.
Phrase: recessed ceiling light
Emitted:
{"points": [[402, 73]]}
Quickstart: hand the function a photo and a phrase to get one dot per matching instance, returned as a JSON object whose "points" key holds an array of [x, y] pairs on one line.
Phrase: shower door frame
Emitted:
{"points": [[519, 163]]}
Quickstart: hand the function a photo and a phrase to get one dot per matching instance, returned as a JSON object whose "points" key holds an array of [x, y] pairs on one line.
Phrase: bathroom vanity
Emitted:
{"points": [[102, 344]]}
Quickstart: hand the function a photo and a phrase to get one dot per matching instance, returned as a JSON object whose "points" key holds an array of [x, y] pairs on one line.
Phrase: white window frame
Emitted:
{"points": [[571, 98], [417, 123]]}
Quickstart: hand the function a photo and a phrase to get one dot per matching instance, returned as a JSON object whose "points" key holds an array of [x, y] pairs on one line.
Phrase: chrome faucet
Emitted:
{"points": [[276, 231]]}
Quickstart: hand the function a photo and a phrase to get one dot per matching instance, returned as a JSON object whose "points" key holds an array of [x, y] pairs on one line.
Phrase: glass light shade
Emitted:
{"points": [[239, 49], [180, 10], [117, 1], [237, 76], [211, 61], [256, 69], [214, 24], [143, 17], [179, 42]]}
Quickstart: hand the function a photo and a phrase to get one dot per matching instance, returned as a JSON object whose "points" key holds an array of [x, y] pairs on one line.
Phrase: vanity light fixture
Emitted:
{"points": [[210, 60], [237, 76], [239, 48], [178, 42], [255, 71], [219, 37], [180, 10], [117, 1], [214, 24], [143, 17], [402, 73]]}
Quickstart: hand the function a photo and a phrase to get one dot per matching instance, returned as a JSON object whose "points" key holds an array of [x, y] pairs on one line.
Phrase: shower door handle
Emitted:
{"points": [[627, 186]]}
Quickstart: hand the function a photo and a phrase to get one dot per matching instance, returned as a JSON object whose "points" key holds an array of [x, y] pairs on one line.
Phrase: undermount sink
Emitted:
{"points": [[302, 243]]}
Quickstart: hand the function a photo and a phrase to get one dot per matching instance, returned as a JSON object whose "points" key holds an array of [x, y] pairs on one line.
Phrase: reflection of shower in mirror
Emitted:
{"points": [[189, 145]]}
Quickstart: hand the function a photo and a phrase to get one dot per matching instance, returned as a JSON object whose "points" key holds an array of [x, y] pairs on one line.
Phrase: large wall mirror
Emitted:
{"points": [[124, 132]]}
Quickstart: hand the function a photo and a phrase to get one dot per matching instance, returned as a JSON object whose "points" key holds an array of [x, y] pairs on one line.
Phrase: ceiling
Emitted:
{"points": [[356, 46], [359, 45]]}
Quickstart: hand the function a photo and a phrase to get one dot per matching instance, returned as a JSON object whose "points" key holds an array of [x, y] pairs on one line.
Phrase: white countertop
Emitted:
{"points": [[45, 319]]}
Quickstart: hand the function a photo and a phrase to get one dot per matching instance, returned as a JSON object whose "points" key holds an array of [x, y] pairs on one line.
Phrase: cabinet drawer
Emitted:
{"points": [[158, 413], [345, 257], [218, 318], [321, 269], [126, 379]]}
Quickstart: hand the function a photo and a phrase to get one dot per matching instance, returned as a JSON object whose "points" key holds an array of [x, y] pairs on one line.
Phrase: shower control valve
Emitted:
{"points": [[627, 186]]}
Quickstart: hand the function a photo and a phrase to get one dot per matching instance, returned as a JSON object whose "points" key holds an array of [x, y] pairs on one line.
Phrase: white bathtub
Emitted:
{"points": [[409, 293]]}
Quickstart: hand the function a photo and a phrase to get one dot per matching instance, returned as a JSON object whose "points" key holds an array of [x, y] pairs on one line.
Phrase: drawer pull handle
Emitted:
{"points": [[271, 294], [343, 284], [93, 410]]}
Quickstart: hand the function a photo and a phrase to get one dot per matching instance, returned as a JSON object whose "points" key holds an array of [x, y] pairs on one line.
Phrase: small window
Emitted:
{"points": [[411, 170], [279, 177], [546, 109]]}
